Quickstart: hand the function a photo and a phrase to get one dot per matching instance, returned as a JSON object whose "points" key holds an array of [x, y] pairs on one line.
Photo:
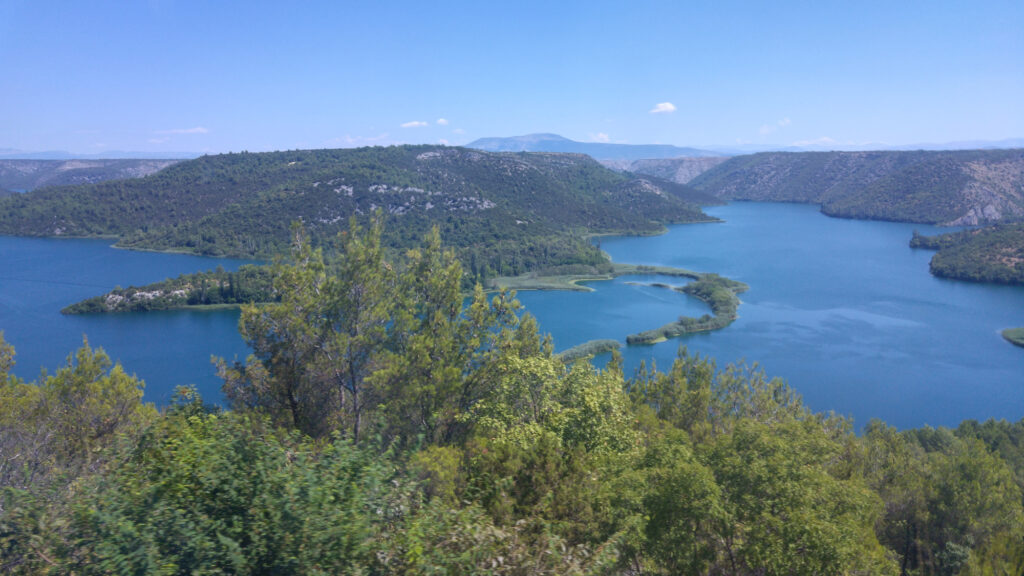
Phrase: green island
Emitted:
{"points": [[1014, 336], [202, 290]]}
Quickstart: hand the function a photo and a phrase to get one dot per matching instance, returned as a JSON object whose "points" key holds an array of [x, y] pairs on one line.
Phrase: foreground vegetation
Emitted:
{"points": [[381, 427], [991, 254]]}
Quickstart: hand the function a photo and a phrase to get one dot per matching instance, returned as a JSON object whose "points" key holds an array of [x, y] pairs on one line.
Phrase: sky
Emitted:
{"points": [[207, 77]]}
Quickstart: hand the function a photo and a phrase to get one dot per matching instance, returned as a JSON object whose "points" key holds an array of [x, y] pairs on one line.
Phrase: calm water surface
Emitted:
{"points": [[38, 277], [843, 310]]}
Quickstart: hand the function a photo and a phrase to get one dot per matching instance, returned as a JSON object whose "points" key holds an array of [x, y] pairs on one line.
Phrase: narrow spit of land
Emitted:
{"points": [[1014, 336], [719, 292]]}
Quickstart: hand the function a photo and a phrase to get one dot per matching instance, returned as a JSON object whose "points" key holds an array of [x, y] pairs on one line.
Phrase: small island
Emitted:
{"points": [[202, 290], [719, 292], [1014, 336]]}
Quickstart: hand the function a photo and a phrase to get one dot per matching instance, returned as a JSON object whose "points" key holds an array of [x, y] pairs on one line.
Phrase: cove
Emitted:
{"points": [[843, 310], [39, 276]]}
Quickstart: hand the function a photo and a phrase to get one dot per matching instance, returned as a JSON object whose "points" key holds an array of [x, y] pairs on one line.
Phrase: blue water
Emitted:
{"points": [[38, 277], [843, 310]]}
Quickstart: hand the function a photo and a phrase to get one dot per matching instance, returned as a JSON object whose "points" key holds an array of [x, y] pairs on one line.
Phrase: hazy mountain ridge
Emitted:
{"points": [[506, 212], [601, 151], [967, 187], [21, 175]]}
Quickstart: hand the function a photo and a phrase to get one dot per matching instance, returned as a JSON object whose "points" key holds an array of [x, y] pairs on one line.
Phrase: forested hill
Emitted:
{"points": [[990, 254], [506, 213], [939, 187], [21, 175]]}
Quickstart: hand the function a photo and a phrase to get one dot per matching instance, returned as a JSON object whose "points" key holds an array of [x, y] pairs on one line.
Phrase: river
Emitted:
{"points": [[843, 310]]}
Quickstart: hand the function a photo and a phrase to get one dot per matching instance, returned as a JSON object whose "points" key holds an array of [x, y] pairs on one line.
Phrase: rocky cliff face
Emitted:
{"points": [[680, 170]]}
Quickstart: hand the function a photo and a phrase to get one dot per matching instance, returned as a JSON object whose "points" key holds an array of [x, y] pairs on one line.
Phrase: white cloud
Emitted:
{"points": [[158, 140], [767, 129], [600, 137], [663, 108], [442, 122], [443, 142], [348, 141], [414, 124], [459, 131], [196, 130]]}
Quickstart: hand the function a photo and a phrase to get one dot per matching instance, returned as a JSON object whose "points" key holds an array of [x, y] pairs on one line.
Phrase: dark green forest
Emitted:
{"points": [[250, 283], [382, 426], [504, 214], [990, 254]]}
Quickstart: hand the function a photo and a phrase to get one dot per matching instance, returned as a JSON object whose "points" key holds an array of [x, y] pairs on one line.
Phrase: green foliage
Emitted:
{"points": [[589, 349], [61, 424], [991, 254], [211, 288], [505, 214], [950, 502], [220, 494]]}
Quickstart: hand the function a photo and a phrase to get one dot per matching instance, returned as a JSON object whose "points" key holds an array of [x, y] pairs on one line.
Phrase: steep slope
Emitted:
{"points": [[598, 150], [505, 212], [680, 170], [26, 175], [958, 188]]}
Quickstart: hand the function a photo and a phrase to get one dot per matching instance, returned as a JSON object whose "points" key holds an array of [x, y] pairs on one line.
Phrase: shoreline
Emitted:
{"points": [[718, 292]]}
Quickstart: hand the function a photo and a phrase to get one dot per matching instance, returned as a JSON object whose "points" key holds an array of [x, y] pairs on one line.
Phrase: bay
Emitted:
{"points": [[843, 310], [39, 276]]}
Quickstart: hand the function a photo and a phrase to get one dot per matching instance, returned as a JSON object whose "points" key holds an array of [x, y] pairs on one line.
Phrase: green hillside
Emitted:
{"points": [[505, 213], [991, 254], [938, 187]]}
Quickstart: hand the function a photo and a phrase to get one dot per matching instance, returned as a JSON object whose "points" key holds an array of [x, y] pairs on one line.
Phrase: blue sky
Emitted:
{"points": [[168, 75]]}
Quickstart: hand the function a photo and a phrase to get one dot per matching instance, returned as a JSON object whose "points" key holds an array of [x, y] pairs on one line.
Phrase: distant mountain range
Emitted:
{"points": [[621, 155], [15, 154], [600, 151]]}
